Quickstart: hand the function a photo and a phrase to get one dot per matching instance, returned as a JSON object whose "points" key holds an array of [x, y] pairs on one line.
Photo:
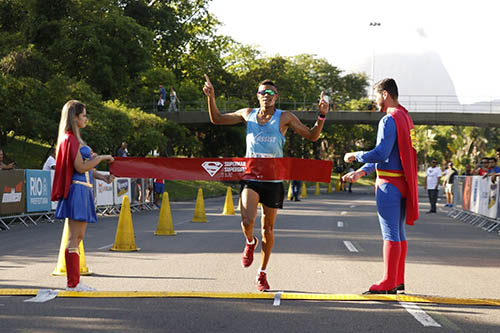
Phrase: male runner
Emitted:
{"points": [[395, 159], [266, 129]]}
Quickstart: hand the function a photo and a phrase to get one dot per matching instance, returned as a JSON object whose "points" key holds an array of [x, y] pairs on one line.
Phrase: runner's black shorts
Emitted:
{"points": [[270, 194]]}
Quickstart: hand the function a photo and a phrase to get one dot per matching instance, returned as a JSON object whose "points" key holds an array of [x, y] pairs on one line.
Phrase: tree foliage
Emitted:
{"points": [[113, 54]]}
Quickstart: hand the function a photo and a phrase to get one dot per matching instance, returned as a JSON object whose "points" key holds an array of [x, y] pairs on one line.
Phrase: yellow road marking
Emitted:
{"points": [[284, 296]]}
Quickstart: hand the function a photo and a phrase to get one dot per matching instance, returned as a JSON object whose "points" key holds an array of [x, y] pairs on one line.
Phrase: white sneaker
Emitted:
{"points": [[81, 287]]}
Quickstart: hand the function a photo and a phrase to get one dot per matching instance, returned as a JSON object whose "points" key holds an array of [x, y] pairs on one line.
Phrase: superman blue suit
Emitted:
{"points": [[394, 159]]}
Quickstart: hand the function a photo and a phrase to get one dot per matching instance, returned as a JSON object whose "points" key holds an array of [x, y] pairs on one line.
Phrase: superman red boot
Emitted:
{"points": [[392, 251], [400, 282]]}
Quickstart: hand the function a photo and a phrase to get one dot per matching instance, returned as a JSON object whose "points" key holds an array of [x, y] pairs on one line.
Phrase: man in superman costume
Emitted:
{"points": [[395, 160]]}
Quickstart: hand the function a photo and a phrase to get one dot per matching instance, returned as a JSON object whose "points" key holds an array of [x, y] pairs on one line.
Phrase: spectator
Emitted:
{"points": [[448, 180], [4, 165], [493, 170], [482, 168], [158, 188], [173, 100], [122, 151], [431, 183], [493, 167], [372, 106], [468, 170], [50, 163], [296, 190], [162, 98]]}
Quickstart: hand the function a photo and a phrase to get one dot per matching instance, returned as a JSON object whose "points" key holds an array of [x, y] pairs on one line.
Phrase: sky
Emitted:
{"points": [[464, 34]]}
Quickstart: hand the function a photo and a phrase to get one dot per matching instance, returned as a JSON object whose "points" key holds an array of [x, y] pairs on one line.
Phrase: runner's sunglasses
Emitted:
{"points": [[270, 92]]}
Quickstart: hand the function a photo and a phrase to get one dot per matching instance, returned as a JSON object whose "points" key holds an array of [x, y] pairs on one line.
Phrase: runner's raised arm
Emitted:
{"points": [[216, 117]]}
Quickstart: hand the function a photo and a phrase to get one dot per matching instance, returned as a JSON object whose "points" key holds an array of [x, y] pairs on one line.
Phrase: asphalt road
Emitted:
{"points": [[324, 244]]}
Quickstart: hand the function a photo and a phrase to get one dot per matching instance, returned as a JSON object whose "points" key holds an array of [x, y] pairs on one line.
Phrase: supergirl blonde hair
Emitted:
{"points": [[69, 112]]}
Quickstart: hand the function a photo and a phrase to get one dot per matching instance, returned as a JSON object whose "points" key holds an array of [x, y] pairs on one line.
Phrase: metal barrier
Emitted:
{"points": [[469, 206], [107, 197]]}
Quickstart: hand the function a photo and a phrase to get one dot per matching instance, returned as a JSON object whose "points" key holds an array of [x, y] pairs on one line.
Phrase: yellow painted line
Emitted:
{"points": [[188, 294], [284, 295], [18, 292]]}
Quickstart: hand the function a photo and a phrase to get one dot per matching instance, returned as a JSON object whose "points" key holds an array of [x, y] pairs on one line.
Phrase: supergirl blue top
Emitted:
{"points": [[385, 155], [264, 140], [79, 205]]}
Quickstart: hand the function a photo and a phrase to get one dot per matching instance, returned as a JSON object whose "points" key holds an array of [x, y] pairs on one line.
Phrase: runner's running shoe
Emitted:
{"points": [[261, 282], [247, 258]]}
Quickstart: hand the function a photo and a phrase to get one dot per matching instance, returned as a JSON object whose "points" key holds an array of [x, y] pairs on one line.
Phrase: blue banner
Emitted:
{"points": [[37, 191]]}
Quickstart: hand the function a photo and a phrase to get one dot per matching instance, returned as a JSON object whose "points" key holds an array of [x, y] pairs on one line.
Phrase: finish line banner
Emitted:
{"points": [[222, 169]]}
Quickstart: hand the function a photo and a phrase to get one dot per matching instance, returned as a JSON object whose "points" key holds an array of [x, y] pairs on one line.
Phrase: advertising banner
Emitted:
{"points": [[223, 169], [484, 195], [53, 203], [474, 195], [12, 192], [37, 191], [103, 192], [492, 200], [467, 193], [121, 188]]}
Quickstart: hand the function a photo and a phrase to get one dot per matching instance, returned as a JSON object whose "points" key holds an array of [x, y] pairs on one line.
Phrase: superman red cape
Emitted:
{"points": [[408, 156]]}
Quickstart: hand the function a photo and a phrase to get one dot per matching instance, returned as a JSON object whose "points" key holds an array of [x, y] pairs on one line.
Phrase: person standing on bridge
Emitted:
{"points": [[72, 187], [265, 137], [395, 160]]}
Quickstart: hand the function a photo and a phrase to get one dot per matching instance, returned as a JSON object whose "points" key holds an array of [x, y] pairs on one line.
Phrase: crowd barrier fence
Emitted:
{"points": [[25, 196], [475, 201]]}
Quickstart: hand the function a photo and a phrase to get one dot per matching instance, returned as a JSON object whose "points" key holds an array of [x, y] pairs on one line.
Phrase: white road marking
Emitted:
{"points": [[350, 246], [277, 298], [420, 314], [340, 224], [105, 247]]}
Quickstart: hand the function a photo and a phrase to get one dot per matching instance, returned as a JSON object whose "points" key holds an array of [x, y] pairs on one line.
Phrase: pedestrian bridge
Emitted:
{"points": [[360, 117]]}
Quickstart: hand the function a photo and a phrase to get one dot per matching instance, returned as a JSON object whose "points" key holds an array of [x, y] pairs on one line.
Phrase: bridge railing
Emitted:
{"points": [[442, 103], [414, 103]]}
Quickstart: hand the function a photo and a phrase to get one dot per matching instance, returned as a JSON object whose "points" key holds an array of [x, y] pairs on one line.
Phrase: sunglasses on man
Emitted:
{"points": [[270, 92]]}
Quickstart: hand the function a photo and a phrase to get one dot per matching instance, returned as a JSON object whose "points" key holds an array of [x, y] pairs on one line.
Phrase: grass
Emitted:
{"points": [[27, 154], [179, 190]]}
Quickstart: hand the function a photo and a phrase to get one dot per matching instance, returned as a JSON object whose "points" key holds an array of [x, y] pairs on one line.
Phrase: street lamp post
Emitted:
{"points": [[372, 95]]}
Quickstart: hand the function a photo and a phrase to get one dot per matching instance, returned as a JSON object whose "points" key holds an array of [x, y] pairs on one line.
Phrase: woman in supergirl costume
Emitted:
{"points": [[72, 187]]}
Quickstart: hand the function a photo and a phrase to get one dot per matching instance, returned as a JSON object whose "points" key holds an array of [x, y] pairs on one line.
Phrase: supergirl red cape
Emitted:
{"points": [[64, 166], [408, 156]]}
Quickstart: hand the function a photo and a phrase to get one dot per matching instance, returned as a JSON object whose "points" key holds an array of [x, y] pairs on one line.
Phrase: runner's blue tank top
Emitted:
{"points": [[264, 140]]}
